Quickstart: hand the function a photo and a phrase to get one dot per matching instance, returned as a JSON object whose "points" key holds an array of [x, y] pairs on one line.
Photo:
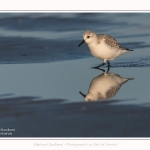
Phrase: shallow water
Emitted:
{"points": [[64, 80]]}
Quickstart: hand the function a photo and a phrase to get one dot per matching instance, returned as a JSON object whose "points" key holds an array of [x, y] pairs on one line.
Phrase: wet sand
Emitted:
{"points": [[52, 118]]}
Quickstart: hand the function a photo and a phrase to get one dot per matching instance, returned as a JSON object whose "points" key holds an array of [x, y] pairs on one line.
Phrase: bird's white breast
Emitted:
{"points": [[103, 51]]}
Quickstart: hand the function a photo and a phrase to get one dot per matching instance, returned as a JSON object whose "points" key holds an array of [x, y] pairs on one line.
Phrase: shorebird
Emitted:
{"points": [[103, 46]]}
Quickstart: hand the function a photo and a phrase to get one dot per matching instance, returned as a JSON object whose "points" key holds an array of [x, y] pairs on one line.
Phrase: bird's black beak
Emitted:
{"points": [[82, 94], [81, 43]]}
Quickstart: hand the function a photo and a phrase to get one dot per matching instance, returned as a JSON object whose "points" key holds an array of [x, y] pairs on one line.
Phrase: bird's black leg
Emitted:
{"points": [[98, 67], [108, 63]]}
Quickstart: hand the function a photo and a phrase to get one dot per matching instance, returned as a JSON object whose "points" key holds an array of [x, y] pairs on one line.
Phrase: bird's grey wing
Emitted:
{"points": [[110, 41]]}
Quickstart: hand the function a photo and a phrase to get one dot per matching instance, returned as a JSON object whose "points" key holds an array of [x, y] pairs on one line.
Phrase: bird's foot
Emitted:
{"points": [[98, 68]]}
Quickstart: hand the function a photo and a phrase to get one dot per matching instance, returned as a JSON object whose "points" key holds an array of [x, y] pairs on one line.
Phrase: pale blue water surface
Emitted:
{"points": [[64, 80]]}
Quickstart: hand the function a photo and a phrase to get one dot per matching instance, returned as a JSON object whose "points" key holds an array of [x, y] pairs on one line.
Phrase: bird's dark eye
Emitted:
{"points": [[88, 37]]}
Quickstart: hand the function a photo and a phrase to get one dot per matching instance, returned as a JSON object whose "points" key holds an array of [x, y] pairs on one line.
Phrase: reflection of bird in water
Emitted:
{"points": [[104, 86], [103, 46]]}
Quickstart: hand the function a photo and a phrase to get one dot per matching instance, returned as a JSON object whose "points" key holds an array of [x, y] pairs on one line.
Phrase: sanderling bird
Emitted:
{"points": [[103, 46], [104, 86]]}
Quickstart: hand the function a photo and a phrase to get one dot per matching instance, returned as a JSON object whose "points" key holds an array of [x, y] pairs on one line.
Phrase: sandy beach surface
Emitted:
{"points": [[42, 70]]}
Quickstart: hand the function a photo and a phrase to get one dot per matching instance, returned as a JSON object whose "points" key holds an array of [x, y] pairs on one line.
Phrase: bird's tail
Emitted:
{"points": [[128, 50]]}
